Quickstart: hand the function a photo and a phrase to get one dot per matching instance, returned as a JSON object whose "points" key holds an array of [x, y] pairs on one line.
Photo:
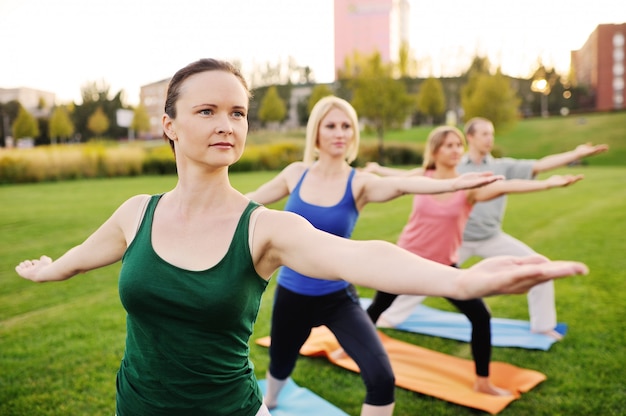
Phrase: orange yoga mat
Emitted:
{"points": [[429, 372]]}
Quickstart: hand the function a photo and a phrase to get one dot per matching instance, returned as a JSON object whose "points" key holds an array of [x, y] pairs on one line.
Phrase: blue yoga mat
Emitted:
{"points": [[298, 401], [504, 332]]}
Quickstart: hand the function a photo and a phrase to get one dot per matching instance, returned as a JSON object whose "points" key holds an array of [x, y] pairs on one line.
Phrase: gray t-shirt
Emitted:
{"points": [[485, 220]]}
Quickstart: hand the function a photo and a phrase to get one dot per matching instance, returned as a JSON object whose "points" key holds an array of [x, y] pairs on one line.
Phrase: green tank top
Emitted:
{"points": [[188, 331]]}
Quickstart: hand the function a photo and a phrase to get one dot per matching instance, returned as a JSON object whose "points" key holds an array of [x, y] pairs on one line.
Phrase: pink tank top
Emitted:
{"points": [[435, 227]]}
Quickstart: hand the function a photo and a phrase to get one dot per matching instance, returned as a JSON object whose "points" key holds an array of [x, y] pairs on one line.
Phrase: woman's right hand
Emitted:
{"points": [[29, 269], [555, 181]]}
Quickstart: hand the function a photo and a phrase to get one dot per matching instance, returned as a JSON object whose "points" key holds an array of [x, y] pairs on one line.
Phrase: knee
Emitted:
{"points": [[280, 370], [380, 387]]}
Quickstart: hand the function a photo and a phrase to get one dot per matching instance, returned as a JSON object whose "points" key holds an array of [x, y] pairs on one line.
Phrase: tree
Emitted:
{"points": [[376, 96], [407, 65], [492, 97], [272, 107], [319, 91], [479, 65], [141, 120], [60, 126], [547, 89], [8, 114], [282, 72], [431, 100], [41, 103], [94, 95], [98, 122], [25, 125]]}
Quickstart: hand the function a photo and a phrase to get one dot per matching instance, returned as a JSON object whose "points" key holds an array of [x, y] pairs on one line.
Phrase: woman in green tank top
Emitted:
{"points": [[196, 259]]}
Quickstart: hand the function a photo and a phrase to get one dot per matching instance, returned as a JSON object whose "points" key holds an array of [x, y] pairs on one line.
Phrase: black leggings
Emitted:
{"points": [[294, 316], [475, 310]]}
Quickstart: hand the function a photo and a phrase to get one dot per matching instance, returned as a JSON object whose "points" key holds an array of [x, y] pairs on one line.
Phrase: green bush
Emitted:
{"points": [[105, 159], [159, 161], [394, 153]]}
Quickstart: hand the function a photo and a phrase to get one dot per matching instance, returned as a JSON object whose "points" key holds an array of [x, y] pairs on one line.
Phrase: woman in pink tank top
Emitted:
{"points": [[435, 229]]}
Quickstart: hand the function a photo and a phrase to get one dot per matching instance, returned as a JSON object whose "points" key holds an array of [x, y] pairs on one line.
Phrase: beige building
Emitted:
{"points": [[37, 102], [152, 96]]}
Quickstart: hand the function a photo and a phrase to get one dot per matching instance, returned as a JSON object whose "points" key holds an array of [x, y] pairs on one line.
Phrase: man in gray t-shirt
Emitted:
{"points": [[483, 236]]}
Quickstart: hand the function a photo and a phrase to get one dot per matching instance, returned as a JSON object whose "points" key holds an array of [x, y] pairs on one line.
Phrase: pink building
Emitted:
{"points": [[367, 26]]}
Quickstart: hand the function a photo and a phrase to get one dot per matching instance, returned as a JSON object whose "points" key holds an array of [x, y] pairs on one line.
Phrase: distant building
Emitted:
{"points": [[368, 26], [599, 64], [37, 102], [152, 96]]}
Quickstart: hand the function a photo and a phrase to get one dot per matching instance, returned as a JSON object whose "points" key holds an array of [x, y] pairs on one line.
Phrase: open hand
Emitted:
{"points": [[563, 180], [29, 269], [514, 275], [588, 149], [475, 180]]}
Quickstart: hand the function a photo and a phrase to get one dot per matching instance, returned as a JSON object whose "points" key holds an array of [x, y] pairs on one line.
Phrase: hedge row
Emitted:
{"points": [[92, 160]]}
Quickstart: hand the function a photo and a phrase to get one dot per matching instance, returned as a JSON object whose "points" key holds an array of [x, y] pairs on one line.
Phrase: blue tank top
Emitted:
{"points": [[338, 219]]}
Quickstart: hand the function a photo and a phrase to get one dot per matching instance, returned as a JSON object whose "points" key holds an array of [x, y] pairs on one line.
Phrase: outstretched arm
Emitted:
{"points": [[283, 238], [381, 189], [561, 159], [374, 167], [105, 246], [277, 188], [517, 186]]}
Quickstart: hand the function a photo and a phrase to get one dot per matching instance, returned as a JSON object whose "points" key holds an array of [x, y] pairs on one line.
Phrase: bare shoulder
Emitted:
{"points": [[271, 221], [130, 212], [134, 203], [363, 176], [275, 228], [363, 179], [275, 232], [295, 169], [292, 174]]}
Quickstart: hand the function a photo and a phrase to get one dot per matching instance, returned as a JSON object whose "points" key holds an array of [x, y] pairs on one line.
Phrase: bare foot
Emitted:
{"points": [[338, 354], [483, 385], [552, 333]]}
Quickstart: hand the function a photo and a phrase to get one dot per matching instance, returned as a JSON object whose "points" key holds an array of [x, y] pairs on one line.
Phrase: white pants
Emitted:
{"points": [[399, 310], [541, 307]]}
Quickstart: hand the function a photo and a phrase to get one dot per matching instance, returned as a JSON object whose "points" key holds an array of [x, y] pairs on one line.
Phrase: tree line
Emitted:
{"points": [[384, 95]]}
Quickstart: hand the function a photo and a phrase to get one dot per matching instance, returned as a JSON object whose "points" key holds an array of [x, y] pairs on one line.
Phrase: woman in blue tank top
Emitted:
{"points": [[196, 259], [328, 192]]}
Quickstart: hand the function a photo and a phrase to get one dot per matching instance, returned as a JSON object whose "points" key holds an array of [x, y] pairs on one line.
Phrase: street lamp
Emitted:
{"points": [[542, 86]]}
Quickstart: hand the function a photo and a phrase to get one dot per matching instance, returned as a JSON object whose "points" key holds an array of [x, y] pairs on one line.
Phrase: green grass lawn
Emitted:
{"points": [[542, 136], [61, 343]]}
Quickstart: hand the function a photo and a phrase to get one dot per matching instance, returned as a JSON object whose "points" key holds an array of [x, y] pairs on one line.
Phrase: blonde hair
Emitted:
{"points": [[435, 140], [319, 111]]}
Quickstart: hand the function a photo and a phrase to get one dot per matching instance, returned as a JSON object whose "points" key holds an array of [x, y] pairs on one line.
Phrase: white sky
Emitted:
{"points": [[59, 45]]}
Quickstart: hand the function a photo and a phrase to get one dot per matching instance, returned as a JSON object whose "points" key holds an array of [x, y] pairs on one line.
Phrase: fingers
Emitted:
{"points": [[557, 269], [528, 275], [27, 266]]}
